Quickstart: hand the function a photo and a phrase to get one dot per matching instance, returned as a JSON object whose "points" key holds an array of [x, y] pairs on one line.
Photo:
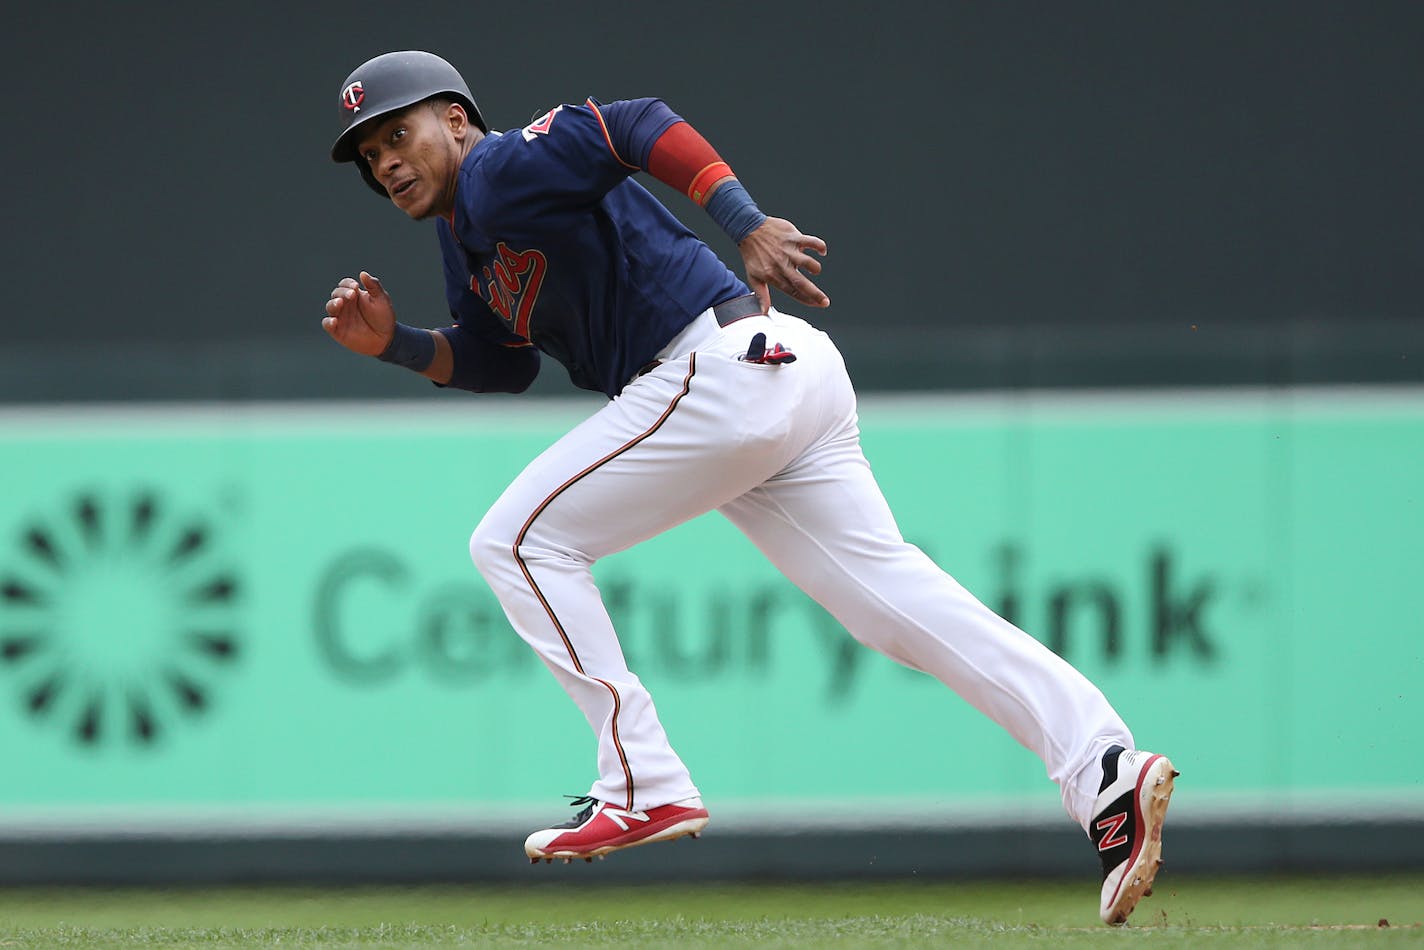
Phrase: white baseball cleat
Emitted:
{"points": [[602, 827], [1127, 827]]}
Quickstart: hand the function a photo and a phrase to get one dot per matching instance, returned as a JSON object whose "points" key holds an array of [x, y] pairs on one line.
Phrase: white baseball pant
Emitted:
{"points": [[776, 449]]}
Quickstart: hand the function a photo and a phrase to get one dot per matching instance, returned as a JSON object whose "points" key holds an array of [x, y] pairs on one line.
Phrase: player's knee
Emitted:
{"points": [[492, 547]]}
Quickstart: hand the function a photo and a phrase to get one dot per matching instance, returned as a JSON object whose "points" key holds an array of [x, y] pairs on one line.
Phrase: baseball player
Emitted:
{"points": [[717, 400]]}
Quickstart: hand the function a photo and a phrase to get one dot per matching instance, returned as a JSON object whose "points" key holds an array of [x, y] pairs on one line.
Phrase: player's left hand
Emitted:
{"points": [[775, 254]]}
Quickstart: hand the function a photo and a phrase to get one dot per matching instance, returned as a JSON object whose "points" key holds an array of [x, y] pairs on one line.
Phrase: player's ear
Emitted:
{"points": [[456, 120]]}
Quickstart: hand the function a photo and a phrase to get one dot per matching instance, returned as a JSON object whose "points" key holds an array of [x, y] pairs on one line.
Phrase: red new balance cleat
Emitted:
{"points": [[601, 828]]}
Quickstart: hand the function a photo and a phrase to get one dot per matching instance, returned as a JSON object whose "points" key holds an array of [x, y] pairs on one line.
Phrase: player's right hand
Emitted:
{"points": [[775, 254], [360, 315]]}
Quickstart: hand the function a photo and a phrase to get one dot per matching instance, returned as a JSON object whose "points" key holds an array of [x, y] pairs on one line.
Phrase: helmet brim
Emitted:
{"points": [[344, 148]]}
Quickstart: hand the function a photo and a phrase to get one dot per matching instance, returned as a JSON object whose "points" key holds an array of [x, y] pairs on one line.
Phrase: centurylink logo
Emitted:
{"points": [[118, 617]]}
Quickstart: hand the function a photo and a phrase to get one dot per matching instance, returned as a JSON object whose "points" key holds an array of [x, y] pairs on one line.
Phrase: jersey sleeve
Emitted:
{"points": [[563, 159], [482, 366], [634, 126]]}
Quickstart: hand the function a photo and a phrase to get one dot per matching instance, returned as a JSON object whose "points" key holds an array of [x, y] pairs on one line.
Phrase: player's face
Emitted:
{"points": [[416, 155]]}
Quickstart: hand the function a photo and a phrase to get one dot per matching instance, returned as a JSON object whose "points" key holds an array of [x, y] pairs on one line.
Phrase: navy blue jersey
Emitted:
{"points": [[552, 244]]}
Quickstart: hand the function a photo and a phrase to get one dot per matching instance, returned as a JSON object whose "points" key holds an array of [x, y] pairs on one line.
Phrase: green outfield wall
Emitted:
{"points": [[242, 616]]}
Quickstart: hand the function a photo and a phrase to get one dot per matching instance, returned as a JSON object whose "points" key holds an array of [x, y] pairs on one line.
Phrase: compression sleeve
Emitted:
{"points": [[646, 134], [482, 366]]}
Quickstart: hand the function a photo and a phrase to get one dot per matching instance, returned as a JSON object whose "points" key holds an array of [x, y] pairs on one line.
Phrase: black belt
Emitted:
{"points": [[727, 312], [738, 308]]}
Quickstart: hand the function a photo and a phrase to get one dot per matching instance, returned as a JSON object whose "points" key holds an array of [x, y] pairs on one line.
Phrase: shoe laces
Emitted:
{"points": [[587, 801]]}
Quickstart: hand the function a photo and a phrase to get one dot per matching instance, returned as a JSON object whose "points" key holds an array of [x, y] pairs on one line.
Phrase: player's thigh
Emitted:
{"points": [[668, 449], [826, 525]]}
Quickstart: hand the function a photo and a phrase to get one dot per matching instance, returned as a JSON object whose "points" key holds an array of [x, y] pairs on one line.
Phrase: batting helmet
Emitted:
{"points": [[389, 83]]}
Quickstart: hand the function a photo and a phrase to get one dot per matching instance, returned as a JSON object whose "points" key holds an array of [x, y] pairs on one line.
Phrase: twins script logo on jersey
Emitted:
{"points": [[511, 285], [541, 125], [352, 96]]}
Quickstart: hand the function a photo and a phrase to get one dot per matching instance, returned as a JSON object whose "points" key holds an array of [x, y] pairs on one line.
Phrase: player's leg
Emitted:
{"points": [[678, 442], [827, 527], [825, 524]]}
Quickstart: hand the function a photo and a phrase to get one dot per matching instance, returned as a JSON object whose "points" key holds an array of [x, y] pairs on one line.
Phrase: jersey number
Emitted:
{"points": [[511, 286]]}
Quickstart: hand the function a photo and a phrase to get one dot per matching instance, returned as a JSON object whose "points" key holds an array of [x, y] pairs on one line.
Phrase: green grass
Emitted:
{"points": [[1191, 912]]}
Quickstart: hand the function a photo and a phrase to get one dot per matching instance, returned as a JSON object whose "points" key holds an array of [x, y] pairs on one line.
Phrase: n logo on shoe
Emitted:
{"points": [[616, 815], [1110, 826]]}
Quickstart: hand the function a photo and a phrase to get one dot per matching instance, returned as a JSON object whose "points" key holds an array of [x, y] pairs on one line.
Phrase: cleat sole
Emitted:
{"points": [[1149, 860]]}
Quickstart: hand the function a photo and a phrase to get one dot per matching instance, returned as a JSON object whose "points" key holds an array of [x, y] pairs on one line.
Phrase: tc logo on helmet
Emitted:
{"points": [[352, 96]]}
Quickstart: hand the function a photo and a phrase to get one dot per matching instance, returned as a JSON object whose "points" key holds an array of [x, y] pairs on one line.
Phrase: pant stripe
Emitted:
{"points": [[534, 586]]}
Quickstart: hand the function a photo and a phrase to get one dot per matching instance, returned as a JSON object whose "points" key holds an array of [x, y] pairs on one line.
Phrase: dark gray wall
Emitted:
{"points": [[1014, 193], [1227, 847]]}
